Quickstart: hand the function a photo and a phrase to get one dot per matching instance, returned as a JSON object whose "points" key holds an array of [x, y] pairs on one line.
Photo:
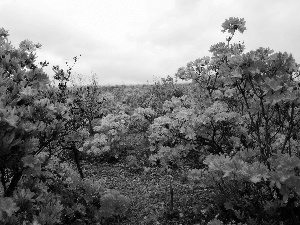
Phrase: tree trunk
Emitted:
{"points": [[13, 184], [77, 161]]}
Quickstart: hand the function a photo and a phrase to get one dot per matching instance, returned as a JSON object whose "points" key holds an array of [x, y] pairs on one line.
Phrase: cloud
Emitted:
{"points": [[126, 41]]}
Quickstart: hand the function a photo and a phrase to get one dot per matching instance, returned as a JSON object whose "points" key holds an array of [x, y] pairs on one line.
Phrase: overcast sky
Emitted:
{"points": [[130, 41]]}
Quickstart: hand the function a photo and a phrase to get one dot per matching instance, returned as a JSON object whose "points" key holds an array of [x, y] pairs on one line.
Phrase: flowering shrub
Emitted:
{"points": [[256, 99], [113, 204], [23, 115], [83, 199], [37, 127], [109, 136], [141, 119], [193, 131]]}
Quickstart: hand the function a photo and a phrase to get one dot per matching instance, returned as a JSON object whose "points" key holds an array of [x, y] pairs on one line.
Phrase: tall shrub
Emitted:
{"points": [[262, 88]]}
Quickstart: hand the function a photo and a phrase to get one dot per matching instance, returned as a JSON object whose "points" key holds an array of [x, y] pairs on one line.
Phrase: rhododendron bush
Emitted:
{"points": [[24, 115], [37, 129], [114, 133], [192, 129], [250, 122], [109, 135]]}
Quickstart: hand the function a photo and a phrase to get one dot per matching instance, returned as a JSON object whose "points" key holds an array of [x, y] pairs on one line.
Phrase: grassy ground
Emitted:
{"points": [[150, 195]]}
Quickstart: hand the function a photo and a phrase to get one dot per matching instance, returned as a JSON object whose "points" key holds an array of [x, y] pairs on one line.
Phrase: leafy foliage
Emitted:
{"points": [[235, 126], [38, 126], [259, 91]]}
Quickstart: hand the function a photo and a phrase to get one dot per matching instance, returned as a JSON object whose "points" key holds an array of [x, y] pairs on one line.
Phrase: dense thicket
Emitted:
{"points": [[233, 130]]}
